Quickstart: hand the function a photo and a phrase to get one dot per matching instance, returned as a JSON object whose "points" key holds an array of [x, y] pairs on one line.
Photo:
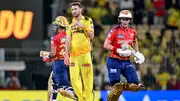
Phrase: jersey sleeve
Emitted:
{"points": [[90, 25], [135, 35], [111, 35], [53, 42]]}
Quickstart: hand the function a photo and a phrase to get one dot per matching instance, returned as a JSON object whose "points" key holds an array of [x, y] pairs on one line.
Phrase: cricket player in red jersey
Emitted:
{"points": [[119, 42], [59, 78]]}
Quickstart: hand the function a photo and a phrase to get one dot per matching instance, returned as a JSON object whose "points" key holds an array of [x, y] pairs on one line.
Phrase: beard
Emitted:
{"points": [[76, 14]]}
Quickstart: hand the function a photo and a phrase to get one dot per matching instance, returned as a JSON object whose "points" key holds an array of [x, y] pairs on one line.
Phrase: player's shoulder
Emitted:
{"points": [[87, 18], [113, 29], [116, 27], [54, 37], [132, 29]]}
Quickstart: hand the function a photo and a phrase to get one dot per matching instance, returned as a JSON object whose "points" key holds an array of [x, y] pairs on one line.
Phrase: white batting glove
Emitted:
{"points": [[124, 53], [139, 58]]}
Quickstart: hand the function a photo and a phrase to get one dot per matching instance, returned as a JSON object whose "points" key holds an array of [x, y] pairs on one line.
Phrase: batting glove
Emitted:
{"points": [[139, 58], [124, 53], [46, 59]]}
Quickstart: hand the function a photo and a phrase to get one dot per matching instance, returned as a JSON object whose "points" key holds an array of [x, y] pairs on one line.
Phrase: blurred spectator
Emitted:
{"points": [[173, 17], [12, 81], [177, 2], [168, 65], [109, 19], [150, 13], [126, 4], [102, 2], [98, 27], [104, 73], [162, 78], [159, 12], [97, 12], [172, 45], [138, 11], [97, 79], [149, 79], [157, 57], [168, 4], [173, 83], [106, 86]]}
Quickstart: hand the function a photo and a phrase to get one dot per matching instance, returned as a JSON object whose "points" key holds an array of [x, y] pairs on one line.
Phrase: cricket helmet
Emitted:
{"points": [[125, 14], [61, 21]]}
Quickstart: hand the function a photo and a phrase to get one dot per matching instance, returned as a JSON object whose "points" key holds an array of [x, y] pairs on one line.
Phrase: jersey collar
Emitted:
{"points": [[119, 26], [74, 19]]}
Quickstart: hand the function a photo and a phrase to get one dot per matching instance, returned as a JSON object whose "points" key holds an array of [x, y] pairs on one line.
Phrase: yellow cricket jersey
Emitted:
{"points": [[173, 17], [80, 42]]}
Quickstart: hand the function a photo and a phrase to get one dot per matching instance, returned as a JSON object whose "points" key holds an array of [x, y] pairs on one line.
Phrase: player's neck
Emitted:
{"points": [[79, 17]]}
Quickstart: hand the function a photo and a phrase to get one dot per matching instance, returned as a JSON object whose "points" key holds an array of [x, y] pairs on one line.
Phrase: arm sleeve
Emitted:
{"points": [[111, 35], [53, 42], [90, 25], [135, 35]]}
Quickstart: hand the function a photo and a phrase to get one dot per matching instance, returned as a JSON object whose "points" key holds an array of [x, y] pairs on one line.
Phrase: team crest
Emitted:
{"points": [[63, 40], [120, 36]]}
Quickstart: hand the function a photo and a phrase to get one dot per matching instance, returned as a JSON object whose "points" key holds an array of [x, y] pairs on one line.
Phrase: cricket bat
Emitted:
{"points": [[133, 51], [44, 53]]}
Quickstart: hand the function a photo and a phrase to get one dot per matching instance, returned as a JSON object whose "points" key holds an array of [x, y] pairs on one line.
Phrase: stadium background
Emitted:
{"points": [[157, 23]]}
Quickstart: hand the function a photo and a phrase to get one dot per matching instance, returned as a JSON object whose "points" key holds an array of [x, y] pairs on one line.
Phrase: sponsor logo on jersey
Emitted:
{"points": [[63, 40], [109, 34], [124, 41], [120, 36]]}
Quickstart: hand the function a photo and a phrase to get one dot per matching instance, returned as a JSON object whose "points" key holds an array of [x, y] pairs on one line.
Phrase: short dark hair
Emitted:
{"points": [[76, 3]]}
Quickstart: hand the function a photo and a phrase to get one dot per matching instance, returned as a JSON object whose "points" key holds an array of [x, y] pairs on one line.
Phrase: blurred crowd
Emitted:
{"points": [[158, 28], [157, 23]]}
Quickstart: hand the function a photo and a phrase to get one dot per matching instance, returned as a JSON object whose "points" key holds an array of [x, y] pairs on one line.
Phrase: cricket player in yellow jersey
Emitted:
{"points": [[77, 53]]}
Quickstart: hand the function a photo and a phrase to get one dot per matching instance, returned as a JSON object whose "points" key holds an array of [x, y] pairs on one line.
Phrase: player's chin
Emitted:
{"points": [[75, 14], [125, 25]]}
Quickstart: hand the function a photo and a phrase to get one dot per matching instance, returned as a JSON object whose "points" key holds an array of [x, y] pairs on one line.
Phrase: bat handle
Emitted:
{"points": [[133, 51]]}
